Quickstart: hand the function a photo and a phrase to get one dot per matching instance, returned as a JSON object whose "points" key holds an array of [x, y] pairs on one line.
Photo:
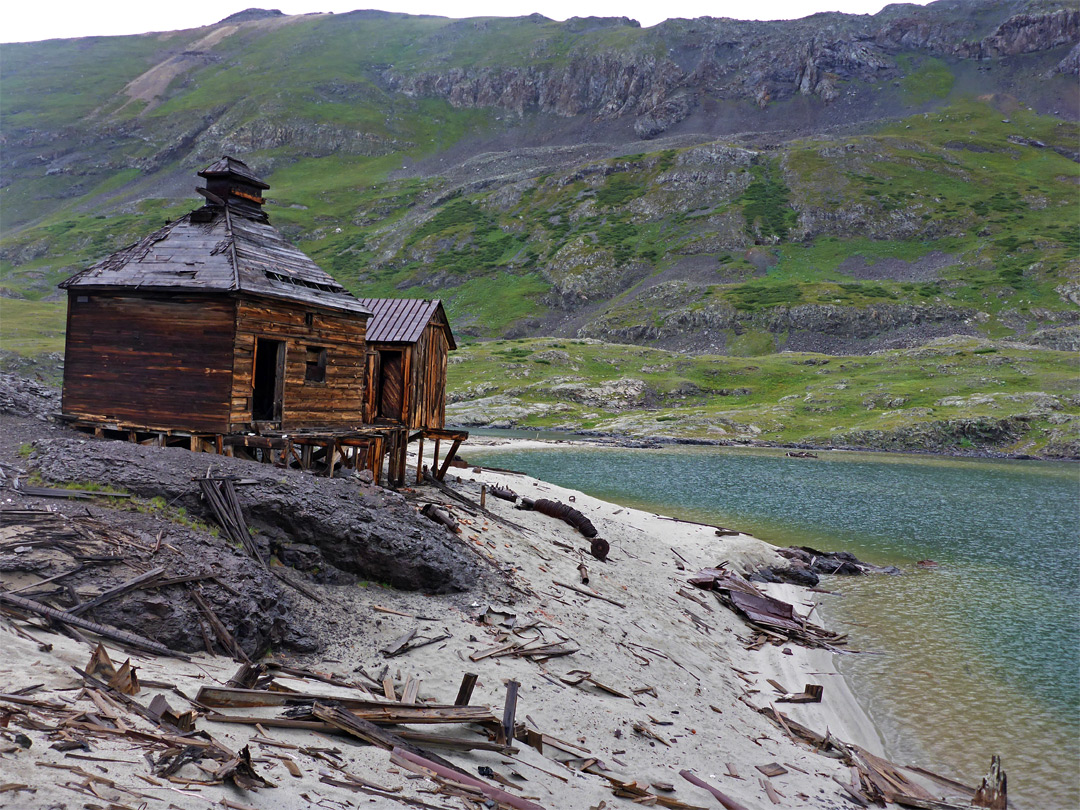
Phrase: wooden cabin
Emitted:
{"points": [[214, 324], [408, 345]]}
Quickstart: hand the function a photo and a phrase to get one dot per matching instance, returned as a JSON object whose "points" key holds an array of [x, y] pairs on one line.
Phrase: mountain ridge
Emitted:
{"points": [[777, 183]]}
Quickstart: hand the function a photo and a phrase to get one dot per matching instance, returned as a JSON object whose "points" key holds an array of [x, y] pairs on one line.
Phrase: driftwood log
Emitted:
{"points": [[103, 630]]}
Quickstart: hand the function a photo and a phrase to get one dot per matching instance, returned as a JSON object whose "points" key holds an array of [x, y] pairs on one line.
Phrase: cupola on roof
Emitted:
{"points": [[230, 182]]}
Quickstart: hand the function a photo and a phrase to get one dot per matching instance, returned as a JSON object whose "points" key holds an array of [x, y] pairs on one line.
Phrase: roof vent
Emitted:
{"points": [[230, 182]]}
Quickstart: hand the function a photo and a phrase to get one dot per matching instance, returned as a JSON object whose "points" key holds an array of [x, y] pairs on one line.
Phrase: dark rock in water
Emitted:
{"points": [[794, 575], [842, 563]]}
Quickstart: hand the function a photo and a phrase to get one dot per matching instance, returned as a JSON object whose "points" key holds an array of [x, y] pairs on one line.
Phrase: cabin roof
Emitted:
{"points": [[213, 249], [403, 320]]}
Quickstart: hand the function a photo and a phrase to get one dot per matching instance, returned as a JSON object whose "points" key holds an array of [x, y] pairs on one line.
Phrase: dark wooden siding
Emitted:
{"points": [[336, 402], [427, 403], [159, 361]]}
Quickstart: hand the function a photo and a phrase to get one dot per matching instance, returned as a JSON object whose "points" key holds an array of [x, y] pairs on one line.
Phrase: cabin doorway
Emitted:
{"points": [[391, 385], [267, 380]]}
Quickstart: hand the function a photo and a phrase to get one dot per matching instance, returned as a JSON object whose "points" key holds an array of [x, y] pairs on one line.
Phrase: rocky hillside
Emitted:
{"points": [[839, 183]]}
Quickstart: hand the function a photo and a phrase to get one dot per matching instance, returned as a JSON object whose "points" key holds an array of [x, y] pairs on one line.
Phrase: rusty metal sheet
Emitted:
{"points": [[765, 610]]}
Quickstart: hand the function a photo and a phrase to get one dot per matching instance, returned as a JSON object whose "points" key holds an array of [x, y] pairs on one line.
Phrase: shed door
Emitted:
{"points": [[391, 385], [267, 380]]}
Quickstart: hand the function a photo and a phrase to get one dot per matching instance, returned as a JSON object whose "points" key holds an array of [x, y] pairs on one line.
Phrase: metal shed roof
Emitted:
{"points": [[403, 320]]}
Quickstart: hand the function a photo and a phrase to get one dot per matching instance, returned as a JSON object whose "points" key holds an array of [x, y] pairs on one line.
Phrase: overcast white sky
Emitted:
{"points": [[28, 20]]}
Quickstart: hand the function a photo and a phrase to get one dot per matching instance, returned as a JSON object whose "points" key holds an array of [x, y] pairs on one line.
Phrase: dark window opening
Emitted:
{"points": [[309, 319], [267, 380], [315, 368], [82, 299]]}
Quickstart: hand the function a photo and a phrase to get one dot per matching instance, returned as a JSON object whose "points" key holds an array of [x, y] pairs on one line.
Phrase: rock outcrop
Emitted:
{"points": [[723, 59]]}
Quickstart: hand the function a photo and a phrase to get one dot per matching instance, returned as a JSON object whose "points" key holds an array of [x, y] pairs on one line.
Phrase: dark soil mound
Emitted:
{"points": [[331, 527]]}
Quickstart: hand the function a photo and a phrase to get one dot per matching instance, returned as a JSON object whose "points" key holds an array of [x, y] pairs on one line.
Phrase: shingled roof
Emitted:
{"points": [[403, 320], [219, 248]]}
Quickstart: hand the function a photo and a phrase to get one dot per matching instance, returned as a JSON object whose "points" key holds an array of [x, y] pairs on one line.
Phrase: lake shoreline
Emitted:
{"points": [[929, 627], [603, 439]]}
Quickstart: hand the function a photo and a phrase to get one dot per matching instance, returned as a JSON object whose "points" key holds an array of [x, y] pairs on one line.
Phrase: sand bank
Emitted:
{"points": [[678, 678]]}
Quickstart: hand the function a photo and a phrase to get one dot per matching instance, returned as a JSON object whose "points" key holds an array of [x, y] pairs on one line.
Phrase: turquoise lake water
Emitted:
{"points": [[978, 656]]}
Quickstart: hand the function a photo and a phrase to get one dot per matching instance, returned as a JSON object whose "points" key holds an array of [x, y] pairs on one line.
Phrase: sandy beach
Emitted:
{"points": [[660, 681]]}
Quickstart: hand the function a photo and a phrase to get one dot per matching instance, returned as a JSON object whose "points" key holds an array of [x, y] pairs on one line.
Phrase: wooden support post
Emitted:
{"points": [[510, 710], [193, 444], [403, 456], [483, 495], [219, 444], [161, 440], [99, 433], [435, 458], [332, 452], [305, 457], [441, 474], [464, 694], [420, 460], [133, 437], [992, 792], [377, 456]]}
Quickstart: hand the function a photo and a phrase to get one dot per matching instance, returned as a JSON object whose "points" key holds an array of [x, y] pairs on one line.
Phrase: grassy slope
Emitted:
{"points": [[952, 395], [948, 181]]}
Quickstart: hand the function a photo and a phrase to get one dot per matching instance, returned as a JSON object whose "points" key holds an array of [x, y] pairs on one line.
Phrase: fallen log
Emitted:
{"points": [[503, 493], [121, 636]]}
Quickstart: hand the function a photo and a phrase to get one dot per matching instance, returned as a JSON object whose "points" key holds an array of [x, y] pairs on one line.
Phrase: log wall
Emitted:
{"points": [[336, 402], [160, 361]]}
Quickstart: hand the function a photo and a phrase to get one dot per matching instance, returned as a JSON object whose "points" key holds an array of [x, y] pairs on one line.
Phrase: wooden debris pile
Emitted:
{"points": [[43, 541], [876, 781], [576, 758], [535, 640], [179, 755], [773, 620], [167, 737]]}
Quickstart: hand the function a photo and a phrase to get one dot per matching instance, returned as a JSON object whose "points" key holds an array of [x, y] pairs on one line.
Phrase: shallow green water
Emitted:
{"points": [[980, 655]]}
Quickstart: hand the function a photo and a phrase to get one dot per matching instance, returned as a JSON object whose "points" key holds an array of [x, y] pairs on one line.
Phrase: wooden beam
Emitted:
{"points": [[441, 475]]}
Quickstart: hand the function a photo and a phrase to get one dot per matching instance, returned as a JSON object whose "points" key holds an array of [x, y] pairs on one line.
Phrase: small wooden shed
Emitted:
{"points": [[408, 344], [214, 324]]}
